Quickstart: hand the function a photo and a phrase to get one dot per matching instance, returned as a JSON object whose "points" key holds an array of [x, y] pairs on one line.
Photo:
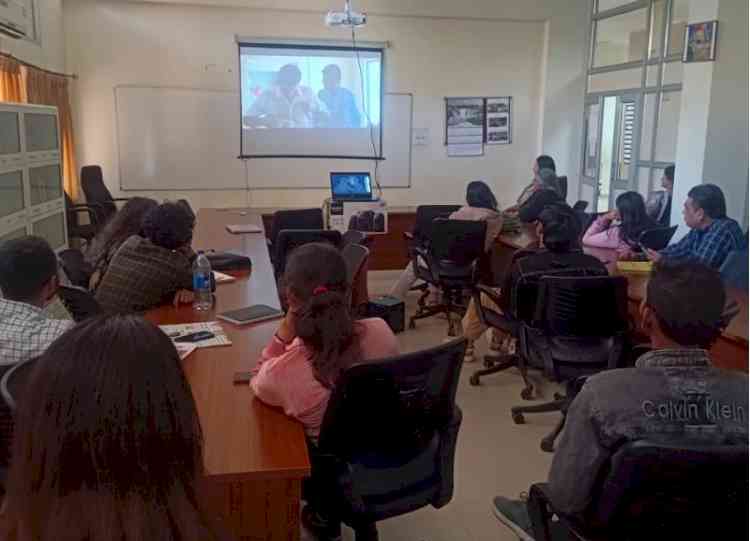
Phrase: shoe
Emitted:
{"points": [[318, 525], [515, 515]]}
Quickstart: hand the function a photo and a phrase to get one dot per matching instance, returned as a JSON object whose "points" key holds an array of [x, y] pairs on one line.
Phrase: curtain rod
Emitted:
{"points": [[30, 65]]}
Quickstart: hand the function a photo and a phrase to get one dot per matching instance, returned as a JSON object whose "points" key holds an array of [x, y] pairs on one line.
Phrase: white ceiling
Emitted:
{"points": [[526, 10]]}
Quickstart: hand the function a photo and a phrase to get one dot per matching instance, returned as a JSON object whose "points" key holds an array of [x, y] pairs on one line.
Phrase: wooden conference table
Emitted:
{"points": [[730, 350], [255, 456]]}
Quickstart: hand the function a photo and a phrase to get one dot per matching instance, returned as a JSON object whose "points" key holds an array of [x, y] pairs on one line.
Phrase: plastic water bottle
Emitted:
{"points": [[202, 283]]}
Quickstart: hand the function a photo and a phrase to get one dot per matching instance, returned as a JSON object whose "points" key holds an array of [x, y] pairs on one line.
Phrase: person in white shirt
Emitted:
{"points": [[28, 282], [287, 104]]}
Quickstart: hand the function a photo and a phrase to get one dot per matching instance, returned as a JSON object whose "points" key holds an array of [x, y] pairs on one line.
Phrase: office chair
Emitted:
{"points": [[79, 302], [289, 239], [734, 270], [388, 439], [76, 268], [98, 195], [448, 263], [562, 183], [580, 328], [356, 257], [77, 230], [293, 219], [657, 238], [354, 237], [653, 490], [580, 206]]}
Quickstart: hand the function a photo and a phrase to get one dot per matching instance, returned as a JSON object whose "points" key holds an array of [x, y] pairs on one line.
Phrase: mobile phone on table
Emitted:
{"points": [[241, 378], [195, 337]]}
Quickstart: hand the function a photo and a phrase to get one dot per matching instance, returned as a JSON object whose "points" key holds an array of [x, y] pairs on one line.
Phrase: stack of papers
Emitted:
{"points": [[220, 336], [240, 229]]}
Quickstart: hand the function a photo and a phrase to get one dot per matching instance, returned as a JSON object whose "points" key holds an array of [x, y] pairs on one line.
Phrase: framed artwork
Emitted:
{"points": [[700, 42], [499, 121]]}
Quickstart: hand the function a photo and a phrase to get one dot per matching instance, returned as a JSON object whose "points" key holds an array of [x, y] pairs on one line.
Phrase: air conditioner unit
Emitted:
{"points": [[14, 19]]}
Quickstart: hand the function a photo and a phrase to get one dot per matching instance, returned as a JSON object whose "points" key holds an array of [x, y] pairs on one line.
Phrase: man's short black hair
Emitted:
{"points": [[669, 172], [561, 227], [169, 225], [688, 300], [710, 198], [546, 162], [26, 265]]}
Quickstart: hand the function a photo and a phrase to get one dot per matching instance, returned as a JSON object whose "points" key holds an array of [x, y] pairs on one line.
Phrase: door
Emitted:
{"points": [[611, 132]]}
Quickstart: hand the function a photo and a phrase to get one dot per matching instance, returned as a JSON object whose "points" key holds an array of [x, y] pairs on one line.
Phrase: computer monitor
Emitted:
{"points": [[351, 187]]}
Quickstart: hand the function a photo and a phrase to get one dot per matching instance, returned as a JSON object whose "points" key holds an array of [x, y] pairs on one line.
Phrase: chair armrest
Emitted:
{"points": [[86, 209], [446, 457], [408, 235], [490, 292], [121, 198]]}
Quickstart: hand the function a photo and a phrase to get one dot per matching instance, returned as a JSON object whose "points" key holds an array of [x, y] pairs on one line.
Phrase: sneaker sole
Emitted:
{"points": [[520, 532]]}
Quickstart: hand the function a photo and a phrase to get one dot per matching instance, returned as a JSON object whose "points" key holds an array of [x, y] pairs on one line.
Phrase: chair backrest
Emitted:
{"points": [[657, 238], [582, 306], [652, 488], [426, 214], [295, 219], [390, 409], [562, 183], [80, 303], [76, 267], [289, 239], [734, 270], [92, 182], [456, 242], [580, 206], [14, 381], [352, 236], [354, 255], [185, 204]]}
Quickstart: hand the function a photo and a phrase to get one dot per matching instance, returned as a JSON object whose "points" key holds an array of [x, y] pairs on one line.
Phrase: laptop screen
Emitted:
{"points": [[351, 186]]}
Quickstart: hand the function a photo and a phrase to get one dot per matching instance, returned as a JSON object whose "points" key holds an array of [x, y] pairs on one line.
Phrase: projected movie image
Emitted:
{"points": [[310, 102]]}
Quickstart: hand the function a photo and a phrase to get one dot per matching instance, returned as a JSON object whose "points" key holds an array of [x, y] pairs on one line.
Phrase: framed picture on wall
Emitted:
{"points": [[700, 42]]}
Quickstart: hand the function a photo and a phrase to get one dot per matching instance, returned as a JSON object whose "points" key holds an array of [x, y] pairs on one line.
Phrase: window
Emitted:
{"points": [[604, 5], [669, 122], [620, 39], [680, 12]]}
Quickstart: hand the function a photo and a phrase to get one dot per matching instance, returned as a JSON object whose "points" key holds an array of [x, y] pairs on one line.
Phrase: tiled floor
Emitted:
{"points": [[494, 456]]}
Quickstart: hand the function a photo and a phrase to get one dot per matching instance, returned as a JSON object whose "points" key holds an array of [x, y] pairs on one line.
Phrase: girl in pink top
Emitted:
{"points": [[624, 237], [318, 339]]}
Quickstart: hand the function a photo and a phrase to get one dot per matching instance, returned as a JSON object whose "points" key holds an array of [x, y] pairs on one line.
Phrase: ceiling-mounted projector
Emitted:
{"points": [[347, 18]]}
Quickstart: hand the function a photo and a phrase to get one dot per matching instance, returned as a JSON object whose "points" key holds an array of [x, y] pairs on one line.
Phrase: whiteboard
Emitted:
{"points": [[181, 139]]}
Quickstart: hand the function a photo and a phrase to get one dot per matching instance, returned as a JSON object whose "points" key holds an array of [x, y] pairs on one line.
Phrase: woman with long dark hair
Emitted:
{"points": [[124, 224], [318, 339], [621, 228], [107, 442]]}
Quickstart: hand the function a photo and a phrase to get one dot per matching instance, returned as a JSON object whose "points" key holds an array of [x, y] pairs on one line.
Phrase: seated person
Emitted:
{"points": [[624, 236], [481, 206], [547, 194], [318, 339], [28, 283], [682, 314], [558, 230], [151, 270], [659, 205], [542, 162], [713, 235], [107, 441], [123, 225]]}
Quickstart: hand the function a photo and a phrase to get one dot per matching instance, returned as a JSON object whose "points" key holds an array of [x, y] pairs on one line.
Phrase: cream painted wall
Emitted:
{"points": [[113, 43], [49, 53]]}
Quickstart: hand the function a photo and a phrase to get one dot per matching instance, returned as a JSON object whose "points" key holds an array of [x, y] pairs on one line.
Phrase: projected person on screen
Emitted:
{"points": [[340, 102], [287, 104]]}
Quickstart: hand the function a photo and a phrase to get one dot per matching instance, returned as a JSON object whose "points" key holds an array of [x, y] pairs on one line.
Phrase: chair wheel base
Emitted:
{"points": [[518, 418], [527, 393], [474, 380], [547, 445], [559, 396]]}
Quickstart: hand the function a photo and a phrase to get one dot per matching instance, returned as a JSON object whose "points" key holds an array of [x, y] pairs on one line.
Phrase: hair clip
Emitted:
{"points": [[319, 290]]}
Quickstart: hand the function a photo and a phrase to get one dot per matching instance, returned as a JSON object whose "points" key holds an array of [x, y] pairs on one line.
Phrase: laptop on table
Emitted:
{"points": [[351, 187]]}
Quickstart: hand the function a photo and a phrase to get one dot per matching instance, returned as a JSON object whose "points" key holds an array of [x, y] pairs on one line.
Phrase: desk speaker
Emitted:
{"points": [[390, 309]]}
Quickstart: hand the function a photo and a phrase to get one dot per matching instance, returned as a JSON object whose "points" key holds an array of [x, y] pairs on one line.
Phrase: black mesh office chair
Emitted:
{"points": [[580, 206], [79, 302], [97, 194], [355, 257], [289, 239], [353, 237], [388, 439], [76, 268], [293, 219], [448, 263], [580, 328], [652, 490], [563, 185], [77, 230]]}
